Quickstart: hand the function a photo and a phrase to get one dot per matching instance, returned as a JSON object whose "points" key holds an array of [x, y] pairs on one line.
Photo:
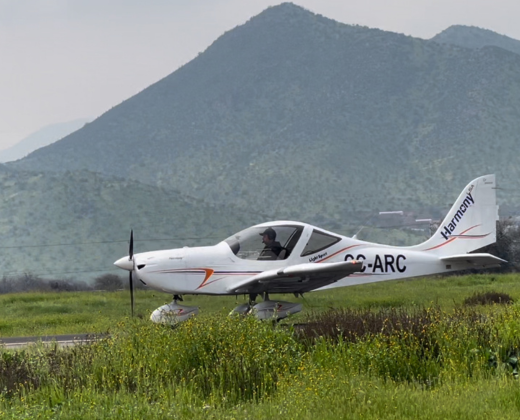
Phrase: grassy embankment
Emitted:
{"points": [[443, 361]]}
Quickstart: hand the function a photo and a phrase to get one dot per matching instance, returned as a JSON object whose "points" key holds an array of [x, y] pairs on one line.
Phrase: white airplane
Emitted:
{"points": [[294, 257]]}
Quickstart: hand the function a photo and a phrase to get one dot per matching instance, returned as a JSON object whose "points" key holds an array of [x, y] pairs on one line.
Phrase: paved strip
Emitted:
{"points": [[66, 340]]}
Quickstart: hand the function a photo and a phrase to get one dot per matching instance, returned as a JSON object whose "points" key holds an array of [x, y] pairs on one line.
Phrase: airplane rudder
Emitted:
{"points": [[470, 223], [473, 206]]}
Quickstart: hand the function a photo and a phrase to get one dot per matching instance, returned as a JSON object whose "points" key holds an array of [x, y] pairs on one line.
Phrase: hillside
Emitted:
{"points": [[308, 118], [474, 37], [75, 225]]}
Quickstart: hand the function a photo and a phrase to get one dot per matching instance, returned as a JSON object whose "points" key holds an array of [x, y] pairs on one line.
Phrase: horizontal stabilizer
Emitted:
{"points": [[478, 260]]}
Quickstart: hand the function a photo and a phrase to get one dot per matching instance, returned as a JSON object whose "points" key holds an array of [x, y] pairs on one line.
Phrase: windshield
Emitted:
{"points": [[265, 243], [318, 242]]}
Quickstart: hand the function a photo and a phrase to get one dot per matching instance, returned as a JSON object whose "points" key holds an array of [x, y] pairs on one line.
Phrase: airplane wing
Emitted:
{"points": [[478, 260], [299, 278]]}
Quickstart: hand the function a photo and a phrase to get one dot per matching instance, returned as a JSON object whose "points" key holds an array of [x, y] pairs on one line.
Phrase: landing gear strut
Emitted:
{"points": [[245, 308]]}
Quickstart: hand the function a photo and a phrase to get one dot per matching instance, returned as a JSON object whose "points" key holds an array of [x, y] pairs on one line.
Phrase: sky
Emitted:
{"points": [[61, 60]]}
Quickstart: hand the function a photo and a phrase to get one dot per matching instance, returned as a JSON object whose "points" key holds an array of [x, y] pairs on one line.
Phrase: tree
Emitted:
{"points": [[507, 245]]}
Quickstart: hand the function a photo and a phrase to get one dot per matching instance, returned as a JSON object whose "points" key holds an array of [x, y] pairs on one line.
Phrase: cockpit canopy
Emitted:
{"points": [[252, 244], [249, 244]]}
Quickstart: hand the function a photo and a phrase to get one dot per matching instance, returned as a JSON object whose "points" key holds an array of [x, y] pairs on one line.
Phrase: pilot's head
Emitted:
{"points": [[268, 235]]}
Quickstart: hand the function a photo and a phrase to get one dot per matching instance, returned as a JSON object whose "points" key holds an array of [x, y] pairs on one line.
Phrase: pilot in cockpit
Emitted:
{"points": [[272, 248]]}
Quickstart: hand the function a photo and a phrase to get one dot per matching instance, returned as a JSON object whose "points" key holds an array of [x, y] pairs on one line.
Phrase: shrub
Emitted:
{"points": [[109, 282], [22, 283], [67, 286], [421, 345], [33, 283], [353, 325], [17, 372], [488, 298]]}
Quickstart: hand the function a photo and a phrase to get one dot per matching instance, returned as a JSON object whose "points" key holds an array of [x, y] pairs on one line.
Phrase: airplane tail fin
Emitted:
{"points": [[471, 222]]}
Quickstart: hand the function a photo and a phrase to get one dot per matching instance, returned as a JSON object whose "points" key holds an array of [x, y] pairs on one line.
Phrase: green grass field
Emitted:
{"points": [[431, 358], [28, 314]]}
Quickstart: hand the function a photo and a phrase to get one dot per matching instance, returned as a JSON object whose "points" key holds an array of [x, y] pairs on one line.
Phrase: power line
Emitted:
{"points": [[59, 272], [109, 242], [64, 244], [192, 238]]}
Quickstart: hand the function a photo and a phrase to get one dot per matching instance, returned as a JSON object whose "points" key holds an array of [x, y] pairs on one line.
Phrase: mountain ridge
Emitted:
{"points": [[312, 119], [41, 138], [476, 37]]}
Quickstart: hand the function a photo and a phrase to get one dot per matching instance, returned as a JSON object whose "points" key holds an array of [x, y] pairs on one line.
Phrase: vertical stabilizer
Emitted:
{"points": [[471, 222]]}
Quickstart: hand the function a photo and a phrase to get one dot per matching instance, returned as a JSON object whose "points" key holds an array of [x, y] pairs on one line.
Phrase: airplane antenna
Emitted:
{"points": [[358, 232]]}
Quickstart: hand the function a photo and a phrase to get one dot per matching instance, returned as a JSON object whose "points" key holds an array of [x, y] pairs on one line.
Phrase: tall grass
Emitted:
{"points": [[424, 346], [218, 359], [230, 366]]}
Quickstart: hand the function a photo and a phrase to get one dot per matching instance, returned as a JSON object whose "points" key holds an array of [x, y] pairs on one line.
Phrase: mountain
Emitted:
{"points": [[41, 138], [474, 37], [303, 117], [76, 224]]}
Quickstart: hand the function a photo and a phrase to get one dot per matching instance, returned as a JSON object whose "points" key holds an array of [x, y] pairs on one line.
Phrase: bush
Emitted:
{"points": [[32, 283], [507, 245], [420, 345], [67, 286], [353, 325], [109, 282], [488, 298]]}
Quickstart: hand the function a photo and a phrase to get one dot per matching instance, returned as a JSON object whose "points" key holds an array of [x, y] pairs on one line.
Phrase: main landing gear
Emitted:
{"points": [[268, 309], [173, 312]]}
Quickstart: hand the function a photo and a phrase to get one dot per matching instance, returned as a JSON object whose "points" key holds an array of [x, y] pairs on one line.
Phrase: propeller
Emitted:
{"points": [[130, 277]]}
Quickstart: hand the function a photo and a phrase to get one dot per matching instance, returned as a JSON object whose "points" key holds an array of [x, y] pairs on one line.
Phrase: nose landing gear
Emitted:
{"points": [[173, 312]]}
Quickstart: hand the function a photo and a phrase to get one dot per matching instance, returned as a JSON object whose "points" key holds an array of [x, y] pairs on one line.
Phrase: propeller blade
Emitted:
{"points": [[130, 276], [131, 247], [131, 281]]}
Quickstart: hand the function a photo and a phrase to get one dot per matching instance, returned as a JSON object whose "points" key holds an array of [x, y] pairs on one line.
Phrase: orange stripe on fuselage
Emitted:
{"points": [[209, 273], [336, 253]]}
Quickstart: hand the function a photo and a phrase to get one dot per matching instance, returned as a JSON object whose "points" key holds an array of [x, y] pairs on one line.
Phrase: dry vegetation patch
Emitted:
{"points": [[488, 298]]}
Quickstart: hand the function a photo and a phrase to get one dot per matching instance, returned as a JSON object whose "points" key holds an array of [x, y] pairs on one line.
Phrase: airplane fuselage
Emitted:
{"points": [[212, 270]]}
